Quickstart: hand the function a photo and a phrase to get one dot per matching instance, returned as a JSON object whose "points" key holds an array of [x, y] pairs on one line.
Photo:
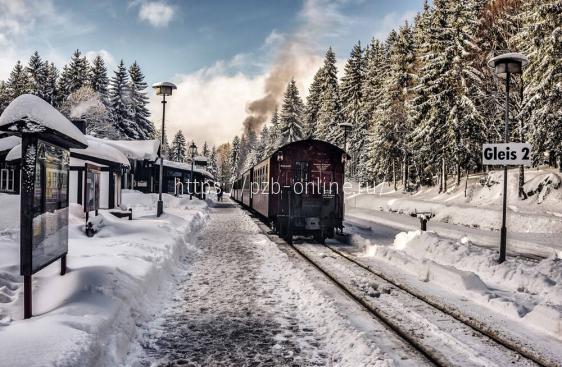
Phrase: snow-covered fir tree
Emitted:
{"points": [[138, 100], [273, 138], [4, 96], [373, 91], [261, 146], [165, 149], [74, 75], [329, 114], [205, 152], [234, 158], [352, 102], [119, 103], [291, 117], [178, 150], [18, 81], [51, 89], [541, 39], [98, 76], [37, 76], [312, 105], [212, 167]]}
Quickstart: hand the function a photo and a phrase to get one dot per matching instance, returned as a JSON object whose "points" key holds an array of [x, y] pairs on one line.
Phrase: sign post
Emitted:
{"points": [[504, 155]]}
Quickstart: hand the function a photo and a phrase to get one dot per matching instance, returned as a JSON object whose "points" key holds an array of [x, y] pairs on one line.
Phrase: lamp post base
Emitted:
{"points": [[503, 244], [160, 208]]}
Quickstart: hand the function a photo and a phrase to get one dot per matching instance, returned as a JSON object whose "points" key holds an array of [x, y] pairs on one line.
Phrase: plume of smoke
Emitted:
{"points": [[295, 59]]}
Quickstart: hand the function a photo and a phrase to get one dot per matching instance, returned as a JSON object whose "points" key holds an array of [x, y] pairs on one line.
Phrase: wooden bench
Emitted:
{"points": [[123, 213]]}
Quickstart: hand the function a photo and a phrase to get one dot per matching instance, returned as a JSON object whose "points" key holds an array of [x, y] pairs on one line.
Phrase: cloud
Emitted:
{"points": [[25, 22], [105, 55], [392, 21], [208, 105], [157, 13]]}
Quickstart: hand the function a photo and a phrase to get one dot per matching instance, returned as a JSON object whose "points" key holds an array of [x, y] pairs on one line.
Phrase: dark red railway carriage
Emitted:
{"points": [[298, 189]]}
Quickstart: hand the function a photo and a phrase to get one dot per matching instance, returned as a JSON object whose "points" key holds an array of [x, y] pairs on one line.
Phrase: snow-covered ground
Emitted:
{"points": [[533, 223], [245, 302], [87, 317]]}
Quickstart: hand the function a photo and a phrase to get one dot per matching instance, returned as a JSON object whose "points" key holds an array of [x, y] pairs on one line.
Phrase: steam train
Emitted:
{"points": [[298, 189]]}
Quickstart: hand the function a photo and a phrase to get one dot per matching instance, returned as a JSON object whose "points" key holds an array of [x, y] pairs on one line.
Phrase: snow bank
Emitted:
{"points": [[32, 109], [87, 317], [527, 291], [540, 213]]}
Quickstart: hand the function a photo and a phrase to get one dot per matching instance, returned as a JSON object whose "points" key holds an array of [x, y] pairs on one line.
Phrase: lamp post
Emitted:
{"points": [[193, 153], [504, 65], [162, 89]]}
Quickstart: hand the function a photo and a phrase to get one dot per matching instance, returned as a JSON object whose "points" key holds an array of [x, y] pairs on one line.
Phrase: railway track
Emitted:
{"points": [[442, 336]]}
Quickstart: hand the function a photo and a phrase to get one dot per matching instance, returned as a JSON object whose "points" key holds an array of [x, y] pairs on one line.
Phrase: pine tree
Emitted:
{"points": [[179, 148], [138, 112], [313, 105], [165, 149], [234, 158], [352, 100], [291, 120], [18, 82], [373, 91], [98, 76], [213, 164], [205, 150], [51, 88], [273, 138], [74, 75], [261, 147], [329, 114], [541, 40], [4, 96], [37, 76], [119, 103]]}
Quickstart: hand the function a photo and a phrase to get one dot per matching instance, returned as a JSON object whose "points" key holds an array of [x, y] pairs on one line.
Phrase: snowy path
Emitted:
{"points": [[244, 302]]}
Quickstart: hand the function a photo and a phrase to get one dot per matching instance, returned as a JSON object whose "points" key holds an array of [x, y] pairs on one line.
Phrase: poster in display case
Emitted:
{"points": [[49, 237]]}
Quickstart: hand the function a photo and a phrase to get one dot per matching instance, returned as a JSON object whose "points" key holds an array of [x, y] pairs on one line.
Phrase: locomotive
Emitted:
{"points": [[298, 189]]}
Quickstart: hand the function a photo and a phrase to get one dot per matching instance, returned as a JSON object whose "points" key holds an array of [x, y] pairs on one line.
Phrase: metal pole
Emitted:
{"points": [[192, 182], [503, 243], [160, 208], [27, 301]]}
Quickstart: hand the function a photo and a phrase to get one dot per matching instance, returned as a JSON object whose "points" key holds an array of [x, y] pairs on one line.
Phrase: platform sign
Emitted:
{"points": [[92, 188], [45, 180], [506, 154]]}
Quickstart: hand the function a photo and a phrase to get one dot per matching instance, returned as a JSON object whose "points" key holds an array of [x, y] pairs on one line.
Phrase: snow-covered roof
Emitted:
{"points": [[187, 167], [201, 158], [96, 149], [39, 116], [137, 149], [77, 162], [14, 153], [9, 142]]}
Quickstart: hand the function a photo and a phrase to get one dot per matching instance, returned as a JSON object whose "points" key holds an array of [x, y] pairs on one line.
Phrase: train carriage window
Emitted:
{"points": [[301, 171]]}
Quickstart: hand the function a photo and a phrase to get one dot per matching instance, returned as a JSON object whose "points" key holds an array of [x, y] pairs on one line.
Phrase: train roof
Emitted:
{"points": [[298, 142], [322, 142]]}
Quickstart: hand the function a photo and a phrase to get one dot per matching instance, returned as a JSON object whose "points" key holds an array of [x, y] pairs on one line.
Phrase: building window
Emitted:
{"points": [[7, 178]]}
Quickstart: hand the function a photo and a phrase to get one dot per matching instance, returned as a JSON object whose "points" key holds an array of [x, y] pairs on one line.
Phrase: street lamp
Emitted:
{"points": [[505, 65], [162, 89], [193, 153], [345, 126]]}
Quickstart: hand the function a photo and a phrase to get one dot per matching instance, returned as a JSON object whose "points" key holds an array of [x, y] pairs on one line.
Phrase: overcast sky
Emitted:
{"points": [[218, 52]]}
